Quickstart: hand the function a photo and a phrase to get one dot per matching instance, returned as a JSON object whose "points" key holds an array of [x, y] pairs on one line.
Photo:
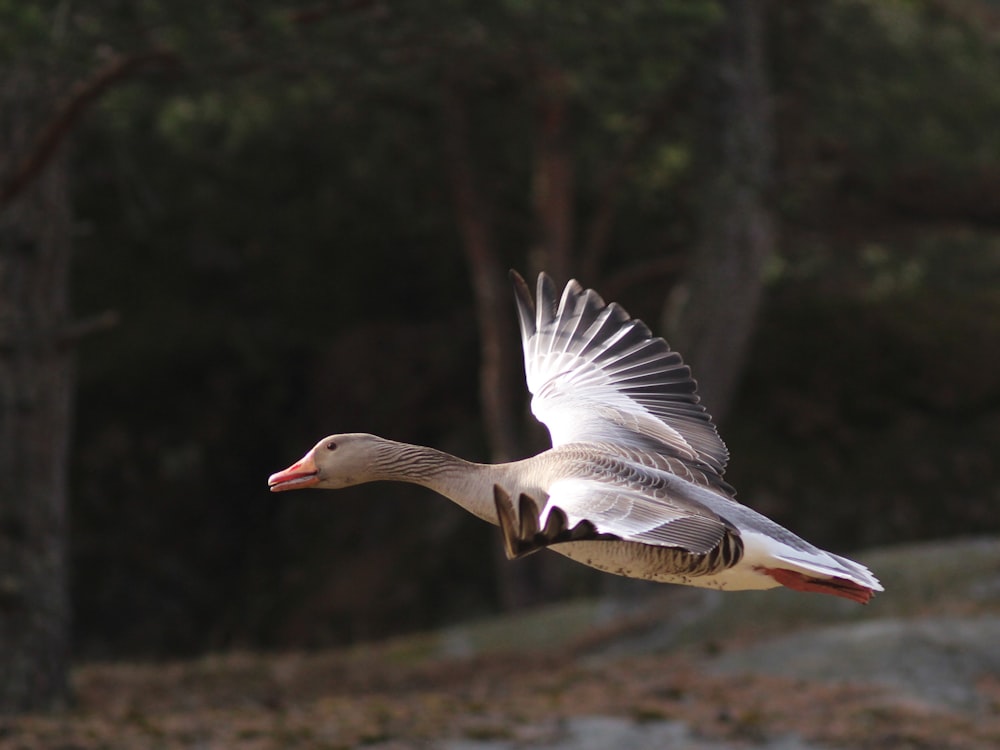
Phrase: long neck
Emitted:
{"points": [[467, 484]]}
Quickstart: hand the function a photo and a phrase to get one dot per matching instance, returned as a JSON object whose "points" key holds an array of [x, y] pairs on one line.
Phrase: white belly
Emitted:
{"points": [[654, 564]]}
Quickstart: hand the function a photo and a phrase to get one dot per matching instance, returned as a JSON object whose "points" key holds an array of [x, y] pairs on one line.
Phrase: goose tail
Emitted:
{"points": [[807, 568]]}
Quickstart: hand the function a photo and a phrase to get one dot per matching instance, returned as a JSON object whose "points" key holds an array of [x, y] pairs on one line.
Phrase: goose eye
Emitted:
{"points": [[331, 446]]}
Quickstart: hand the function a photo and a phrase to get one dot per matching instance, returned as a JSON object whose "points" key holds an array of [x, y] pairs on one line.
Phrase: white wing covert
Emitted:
{"points": [[633, 515]]}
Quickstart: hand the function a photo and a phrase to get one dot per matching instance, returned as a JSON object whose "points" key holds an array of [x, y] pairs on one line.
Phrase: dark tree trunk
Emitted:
{"points": [[712, 313], [536, 578], [552, 188], [35, 406], [499, 358]]}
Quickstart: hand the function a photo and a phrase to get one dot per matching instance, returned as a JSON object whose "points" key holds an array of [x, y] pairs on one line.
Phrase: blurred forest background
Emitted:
{"points": [[290, 220]]}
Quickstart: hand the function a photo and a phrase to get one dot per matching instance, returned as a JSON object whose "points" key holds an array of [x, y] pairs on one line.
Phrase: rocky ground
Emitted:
{"points": [[658, 667]]}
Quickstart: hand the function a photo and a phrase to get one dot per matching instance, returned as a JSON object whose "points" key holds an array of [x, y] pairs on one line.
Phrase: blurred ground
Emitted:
{"points": [[663, 667]]}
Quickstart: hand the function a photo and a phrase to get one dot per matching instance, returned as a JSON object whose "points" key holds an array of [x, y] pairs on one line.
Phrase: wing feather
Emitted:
{"points": [[597, 374], [637, 515]]}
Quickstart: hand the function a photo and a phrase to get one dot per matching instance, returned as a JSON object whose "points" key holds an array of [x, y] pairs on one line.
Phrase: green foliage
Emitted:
{"points": [[896, 83], [22, 28]]}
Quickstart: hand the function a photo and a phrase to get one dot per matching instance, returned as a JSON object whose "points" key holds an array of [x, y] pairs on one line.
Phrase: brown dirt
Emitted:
{"points": [[395, 699]]}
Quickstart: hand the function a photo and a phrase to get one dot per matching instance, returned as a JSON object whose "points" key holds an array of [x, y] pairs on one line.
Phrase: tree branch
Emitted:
{"points": [[81, 329], [656, 268], [80, 97], [552, 191]]}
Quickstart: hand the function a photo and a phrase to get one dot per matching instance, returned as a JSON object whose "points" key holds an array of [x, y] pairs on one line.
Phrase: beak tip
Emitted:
{"points": [[298, 475]]}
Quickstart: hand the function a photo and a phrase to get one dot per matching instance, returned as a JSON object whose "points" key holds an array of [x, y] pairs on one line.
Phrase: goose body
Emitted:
{"points": [[633, 482]]}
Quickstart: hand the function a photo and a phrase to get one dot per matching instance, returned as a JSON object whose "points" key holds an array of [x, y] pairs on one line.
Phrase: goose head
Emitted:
{"points": [[334, 462]]}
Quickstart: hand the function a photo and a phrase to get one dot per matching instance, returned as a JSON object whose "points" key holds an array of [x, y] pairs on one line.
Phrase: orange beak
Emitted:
{"points": [[299, 475]]}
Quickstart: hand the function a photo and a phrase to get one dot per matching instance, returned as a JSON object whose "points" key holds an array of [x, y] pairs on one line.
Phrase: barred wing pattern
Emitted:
{"points": [[596, 374]]}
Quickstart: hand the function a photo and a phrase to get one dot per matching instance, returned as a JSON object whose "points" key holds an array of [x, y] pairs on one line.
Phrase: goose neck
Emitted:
{"points": [[468, 484]]}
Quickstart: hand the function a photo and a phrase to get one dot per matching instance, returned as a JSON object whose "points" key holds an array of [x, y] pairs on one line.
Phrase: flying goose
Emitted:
{"points": [[632, 484]]}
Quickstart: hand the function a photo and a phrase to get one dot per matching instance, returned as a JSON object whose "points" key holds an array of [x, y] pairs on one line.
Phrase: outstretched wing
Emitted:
{"points": [[587, 510], [596, 374]]}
